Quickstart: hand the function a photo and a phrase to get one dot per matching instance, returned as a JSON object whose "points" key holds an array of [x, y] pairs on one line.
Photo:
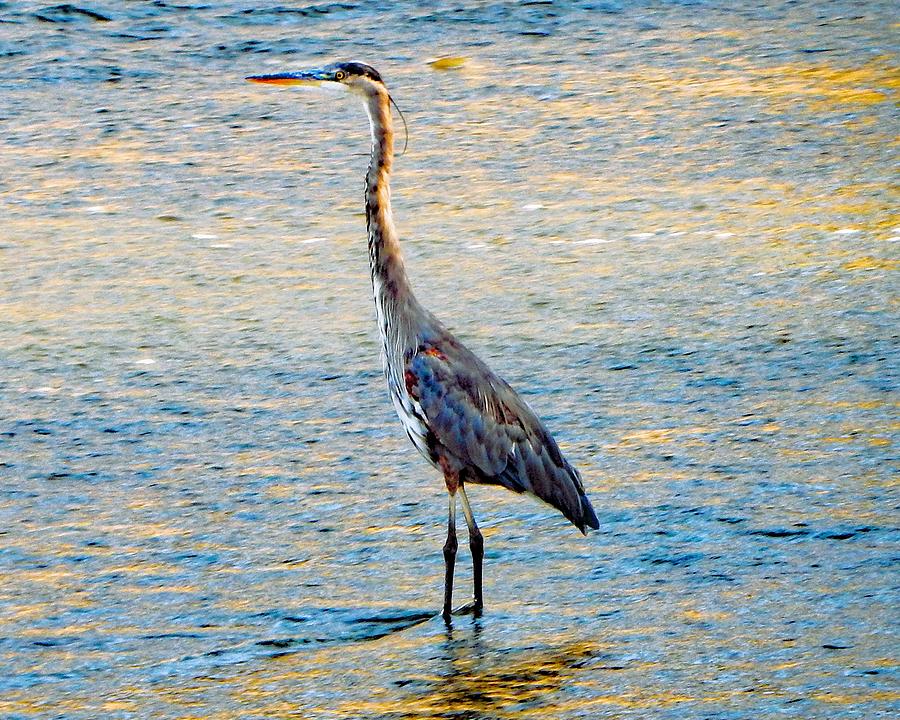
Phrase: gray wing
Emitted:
{"points": [[490, 432]]}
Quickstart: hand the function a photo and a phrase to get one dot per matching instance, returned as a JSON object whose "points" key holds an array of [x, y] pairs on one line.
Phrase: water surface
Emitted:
{"points": [[671, 225]]}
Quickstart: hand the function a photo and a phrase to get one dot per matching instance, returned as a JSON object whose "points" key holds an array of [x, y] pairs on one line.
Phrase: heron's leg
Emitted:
{"points": [[449, 557], [476, 545]]}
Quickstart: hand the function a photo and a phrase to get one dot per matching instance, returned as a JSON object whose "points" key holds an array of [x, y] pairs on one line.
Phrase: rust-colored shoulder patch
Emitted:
{"points": [[409, 378], [434, 352]]}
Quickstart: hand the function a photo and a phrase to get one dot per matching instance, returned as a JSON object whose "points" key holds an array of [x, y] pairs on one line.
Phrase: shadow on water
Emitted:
{"points": [[327, 626], [312, 628]]}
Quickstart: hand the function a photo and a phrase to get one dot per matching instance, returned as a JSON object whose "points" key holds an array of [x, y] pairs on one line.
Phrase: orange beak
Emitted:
{"points": [[313, 78]]}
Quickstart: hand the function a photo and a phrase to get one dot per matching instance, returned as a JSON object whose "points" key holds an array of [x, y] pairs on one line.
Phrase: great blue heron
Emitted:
{"points": [[467, 421]]}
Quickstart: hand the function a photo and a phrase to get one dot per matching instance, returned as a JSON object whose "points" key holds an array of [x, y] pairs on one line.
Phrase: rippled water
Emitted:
{"points": [[671, 225]]}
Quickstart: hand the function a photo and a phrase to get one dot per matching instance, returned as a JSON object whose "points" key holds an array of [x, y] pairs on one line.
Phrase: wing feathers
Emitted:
{"points": [[490, 432]]}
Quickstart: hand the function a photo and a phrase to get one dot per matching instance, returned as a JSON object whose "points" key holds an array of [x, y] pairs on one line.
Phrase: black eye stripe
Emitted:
{"points": [[353, 69]]}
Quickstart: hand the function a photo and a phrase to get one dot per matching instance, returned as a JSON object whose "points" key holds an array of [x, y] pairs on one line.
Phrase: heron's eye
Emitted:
{"points": [[340, 75]]}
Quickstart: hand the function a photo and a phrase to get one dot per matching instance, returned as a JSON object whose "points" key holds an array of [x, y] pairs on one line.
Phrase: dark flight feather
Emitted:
{"points": [[488, 433]]}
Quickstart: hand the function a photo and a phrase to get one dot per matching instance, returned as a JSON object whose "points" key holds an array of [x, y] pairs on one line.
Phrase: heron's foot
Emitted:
{"points": [[475, 607]]}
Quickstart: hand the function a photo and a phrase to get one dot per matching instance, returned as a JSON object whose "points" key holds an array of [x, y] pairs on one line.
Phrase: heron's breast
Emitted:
{"points": [[411, 415]]}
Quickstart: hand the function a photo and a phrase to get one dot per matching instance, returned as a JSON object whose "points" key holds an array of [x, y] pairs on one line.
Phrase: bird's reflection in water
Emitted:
{"points": [[483, 681]]}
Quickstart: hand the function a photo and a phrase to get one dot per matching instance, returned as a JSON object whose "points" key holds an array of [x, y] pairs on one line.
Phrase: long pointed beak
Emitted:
{"points": [[311, 78]]}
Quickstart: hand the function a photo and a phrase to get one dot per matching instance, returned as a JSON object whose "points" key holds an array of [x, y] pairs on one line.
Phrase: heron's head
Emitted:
{"points": [[354, 77]]}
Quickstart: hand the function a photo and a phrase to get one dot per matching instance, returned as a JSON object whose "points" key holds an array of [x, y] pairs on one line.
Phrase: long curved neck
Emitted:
{"points": [[389, 281]]}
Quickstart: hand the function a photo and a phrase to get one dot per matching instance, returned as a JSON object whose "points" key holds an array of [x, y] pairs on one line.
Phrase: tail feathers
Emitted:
{"points": [[588, 516]]}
